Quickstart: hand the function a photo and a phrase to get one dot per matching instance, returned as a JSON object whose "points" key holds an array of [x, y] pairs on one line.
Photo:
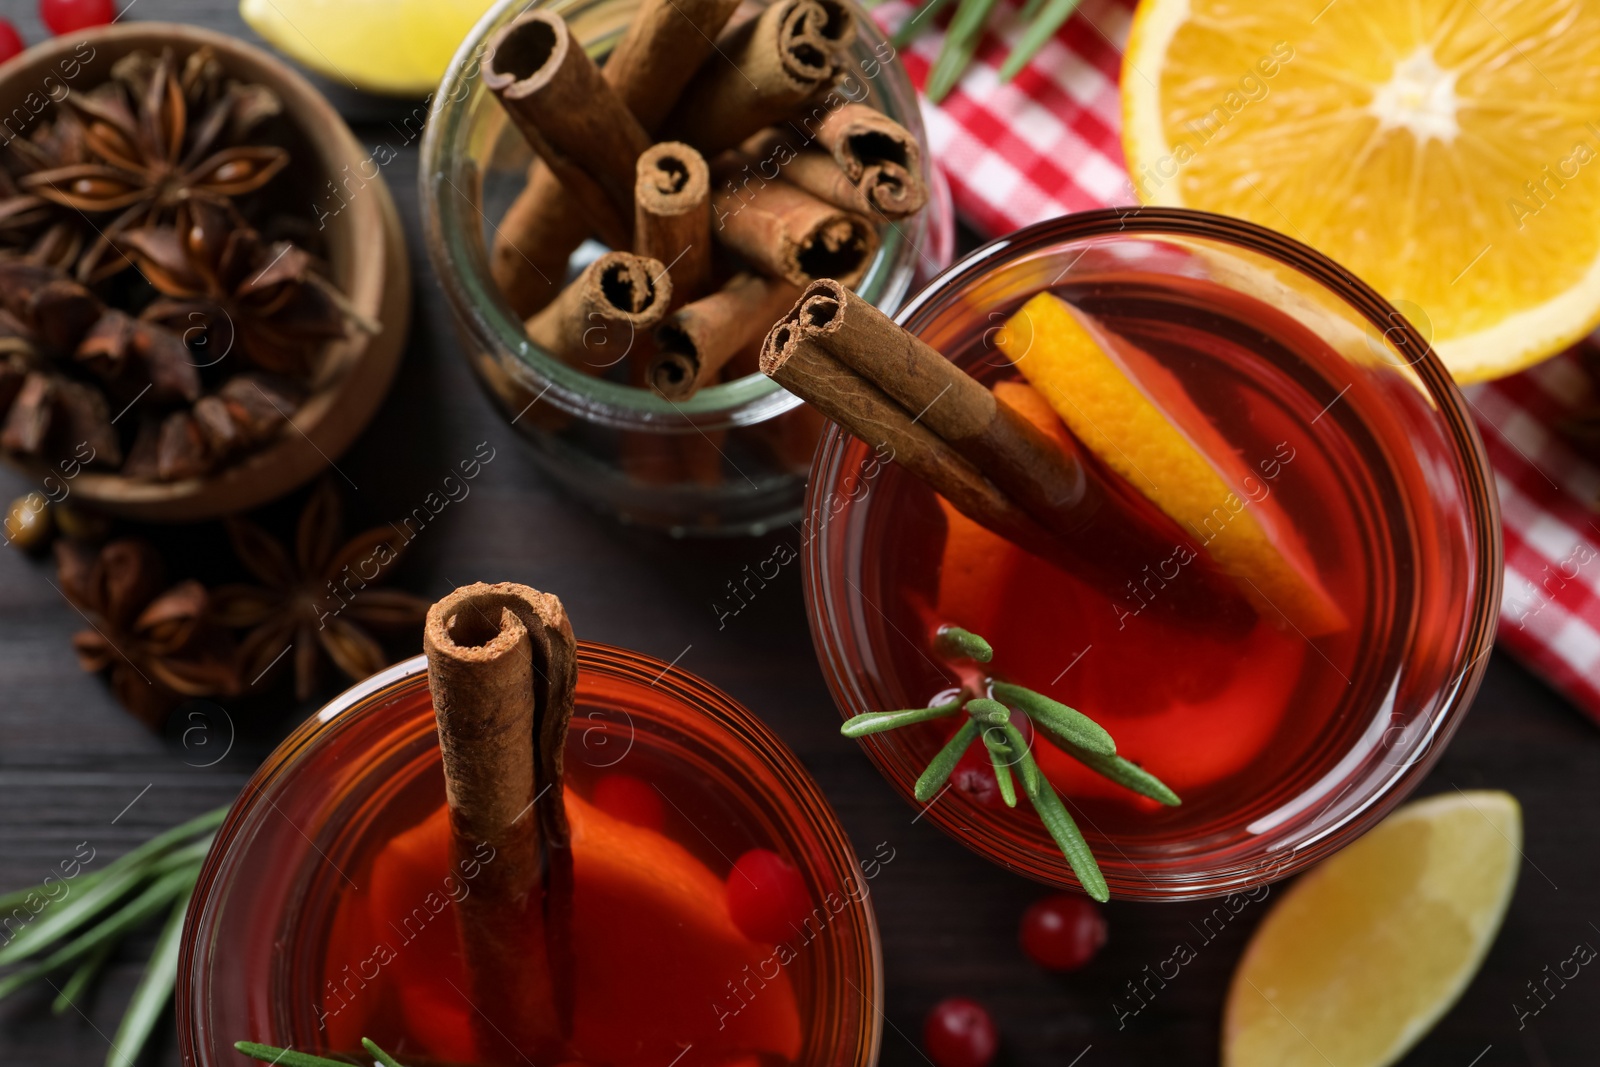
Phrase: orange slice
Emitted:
{"points": [[1133, 415]]}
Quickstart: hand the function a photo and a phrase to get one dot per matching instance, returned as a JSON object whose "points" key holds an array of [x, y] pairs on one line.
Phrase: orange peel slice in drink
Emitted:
{"points": [[1143, 425], [655, 946]]}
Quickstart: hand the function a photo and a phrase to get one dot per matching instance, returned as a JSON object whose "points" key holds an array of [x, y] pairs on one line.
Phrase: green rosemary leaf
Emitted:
{"points": [[72, 912], [919, 21], [952, 642], [284, 1057], [1029, 11], [79, 981], [1000, 756], [1022, 759], [943, 764], [960, 42], [1070, 840], [1071, 726], [378, 1054], [154, 991], [989, 712], [1040, 30], [1126, 774], [18, 898], [153, 899], [874, 722]]}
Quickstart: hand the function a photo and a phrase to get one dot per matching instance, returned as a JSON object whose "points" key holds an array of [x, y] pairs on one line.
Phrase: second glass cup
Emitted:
{"points": [[1352, 495], [327, 909]]}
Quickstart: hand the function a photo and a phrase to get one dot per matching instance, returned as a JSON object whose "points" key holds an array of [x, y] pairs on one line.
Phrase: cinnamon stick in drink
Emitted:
{"points": [[664, 44], [785, 232], [569, 114], [884, 385], [502, 670], [695, 342], [606, 314], [764, 70], [672, 198]]}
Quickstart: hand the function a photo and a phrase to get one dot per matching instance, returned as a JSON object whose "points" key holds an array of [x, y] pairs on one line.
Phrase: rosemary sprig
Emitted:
{"points": [[1041, 17], [990, 718], [286, 1057], [81, 930]]}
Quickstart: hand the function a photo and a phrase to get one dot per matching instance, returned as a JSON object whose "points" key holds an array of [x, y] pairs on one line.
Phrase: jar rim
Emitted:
{"points": [[462, 266], [1273, 858]]}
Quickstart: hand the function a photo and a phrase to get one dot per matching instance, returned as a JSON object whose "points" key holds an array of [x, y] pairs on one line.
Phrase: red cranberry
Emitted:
{"points": [[767, 897], [1063, 932], [631, 800], [960, 1033], [65, 16], [11, 43]]}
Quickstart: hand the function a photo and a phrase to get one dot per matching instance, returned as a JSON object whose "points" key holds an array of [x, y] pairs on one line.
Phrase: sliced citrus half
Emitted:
{"points": [[1364, 954], [1145, 428], [1445, 152], [396, 47]]}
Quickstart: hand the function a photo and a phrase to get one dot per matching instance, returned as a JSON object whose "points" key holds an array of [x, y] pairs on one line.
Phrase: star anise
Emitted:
{"points": [[147, 158], [161, 646], [246, 411], [321, 597], [269, 300]]}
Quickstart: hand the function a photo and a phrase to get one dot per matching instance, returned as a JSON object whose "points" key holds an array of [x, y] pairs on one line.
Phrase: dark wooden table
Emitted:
{"points": [[74, 767]]}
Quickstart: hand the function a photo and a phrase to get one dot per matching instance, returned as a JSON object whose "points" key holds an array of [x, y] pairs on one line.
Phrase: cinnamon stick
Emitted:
{"points": [[534, 240], [885, 385], [672, 198], [695, 342], [765, 69], [860, 160], [502, 669], [785, 232], [601, 318], [664, 44], [570, 116]]}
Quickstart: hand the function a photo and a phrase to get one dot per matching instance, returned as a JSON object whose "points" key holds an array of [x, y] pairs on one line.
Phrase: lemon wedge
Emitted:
{"points": [[395, 47], [1151, 434], [1446, 153], [1364, 954]]}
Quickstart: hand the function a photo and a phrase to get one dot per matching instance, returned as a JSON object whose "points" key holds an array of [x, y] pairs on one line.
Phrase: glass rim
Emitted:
{"points": [[462, 267], [720, 712], [1381, 792]]}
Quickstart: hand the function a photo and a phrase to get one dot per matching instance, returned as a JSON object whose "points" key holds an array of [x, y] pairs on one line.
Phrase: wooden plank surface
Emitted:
{"points": [[74, 768]]}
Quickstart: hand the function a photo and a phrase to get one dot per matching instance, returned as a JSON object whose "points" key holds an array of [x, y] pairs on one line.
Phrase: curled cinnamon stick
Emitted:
{"points": [[695, 342], [785, 232], [766, 68], [858, 159], [600, 318], [502, 669], [1049, 484], [569, 114], [664, 45], [672, 198]]}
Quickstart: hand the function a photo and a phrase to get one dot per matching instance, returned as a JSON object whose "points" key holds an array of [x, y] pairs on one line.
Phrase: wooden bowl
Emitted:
{"points": [[365, 252]]}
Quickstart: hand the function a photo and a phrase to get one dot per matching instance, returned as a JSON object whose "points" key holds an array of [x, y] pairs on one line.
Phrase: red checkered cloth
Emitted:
{"points": [[1050, 143]]}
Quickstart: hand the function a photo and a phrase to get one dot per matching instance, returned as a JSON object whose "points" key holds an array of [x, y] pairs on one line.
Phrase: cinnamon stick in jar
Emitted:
{"points": [[860, 159], [672, 221], [695, 342], [785, 232], [605, 314], [664, 44], [502, 669], [764, 70], [570, 116]]}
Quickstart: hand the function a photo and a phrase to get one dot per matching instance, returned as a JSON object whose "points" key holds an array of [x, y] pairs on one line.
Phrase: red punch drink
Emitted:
{"points": [[1308, 449]]}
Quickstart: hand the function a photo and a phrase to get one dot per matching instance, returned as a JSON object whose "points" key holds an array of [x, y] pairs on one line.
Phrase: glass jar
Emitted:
{"points": [[743, 446], [264, 930], [1382, 423]]}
